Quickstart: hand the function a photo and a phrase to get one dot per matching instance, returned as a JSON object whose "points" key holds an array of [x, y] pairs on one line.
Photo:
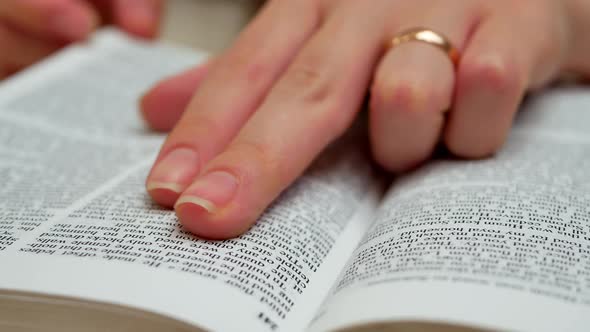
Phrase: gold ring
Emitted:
{"points": [[429, 37]]}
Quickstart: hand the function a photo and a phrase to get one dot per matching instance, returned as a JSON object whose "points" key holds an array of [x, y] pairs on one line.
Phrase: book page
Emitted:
{"points": [[75, 219], [501, 243]]}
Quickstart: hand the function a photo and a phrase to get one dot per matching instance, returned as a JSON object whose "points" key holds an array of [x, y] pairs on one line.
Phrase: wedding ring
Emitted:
{"points": [[429, 37]]}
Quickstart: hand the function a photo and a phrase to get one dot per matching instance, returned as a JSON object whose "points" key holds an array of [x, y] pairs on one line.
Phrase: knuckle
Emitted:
{"points": [[319, 97], [496, 72], [246, 64], [306, 82], [401, 94], [397, 95]]}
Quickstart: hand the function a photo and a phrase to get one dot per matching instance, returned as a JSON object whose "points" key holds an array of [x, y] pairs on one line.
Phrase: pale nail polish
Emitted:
{"points": [[175, 171], [211, 191]]}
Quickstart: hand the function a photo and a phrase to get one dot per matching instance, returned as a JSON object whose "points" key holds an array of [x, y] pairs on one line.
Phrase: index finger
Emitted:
{"points": [[312, 104]]}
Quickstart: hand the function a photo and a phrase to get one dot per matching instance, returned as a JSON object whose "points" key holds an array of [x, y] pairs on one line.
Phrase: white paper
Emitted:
{"points": [[502, 243]]}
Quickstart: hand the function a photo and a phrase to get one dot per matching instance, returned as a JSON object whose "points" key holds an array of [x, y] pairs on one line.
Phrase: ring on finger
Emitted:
{"points": [[429, 37]]}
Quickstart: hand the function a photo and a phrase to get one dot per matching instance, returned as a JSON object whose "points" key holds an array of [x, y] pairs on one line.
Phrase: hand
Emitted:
{"points": [[297, 75], [33, 29]]}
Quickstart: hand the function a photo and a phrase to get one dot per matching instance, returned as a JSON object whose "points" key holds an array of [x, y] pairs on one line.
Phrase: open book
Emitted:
{"points": [[501, 243]]}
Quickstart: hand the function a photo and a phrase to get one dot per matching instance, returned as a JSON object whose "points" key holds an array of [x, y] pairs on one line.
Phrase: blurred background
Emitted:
{"points": [[208, 25]]}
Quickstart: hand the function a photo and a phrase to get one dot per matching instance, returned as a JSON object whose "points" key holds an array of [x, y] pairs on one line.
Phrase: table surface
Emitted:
{"points": [[209, 25]]}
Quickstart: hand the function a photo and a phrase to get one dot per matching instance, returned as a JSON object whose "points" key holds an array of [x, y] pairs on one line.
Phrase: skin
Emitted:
{"points": [[247, 124], [33, 29]]}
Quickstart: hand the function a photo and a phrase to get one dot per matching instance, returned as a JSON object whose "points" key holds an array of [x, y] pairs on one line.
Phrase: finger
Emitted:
{"points": [[138, 17], [20, 50], [312, 104], [67, 20], [163, 105], [414, 85], [233, 89], [493, 75]]}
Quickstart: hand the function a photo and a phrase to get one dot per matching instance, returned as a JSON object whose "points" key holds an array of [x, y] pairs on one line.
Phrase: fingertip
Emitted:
{"points": [[165, 194], [139, 26], [489, 90], [477, 147], [171, 174], [196, 219], [155, 112], [493, 72], [201, 221], [212, 207], [399, 161], [162, 105], [140, 18], [402, 140]]}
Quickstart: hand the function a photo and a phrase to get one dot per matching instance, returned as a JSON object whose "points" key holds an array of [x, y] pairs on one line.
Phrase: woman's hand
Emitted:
{"points": [[296, 77], [33, 29]]}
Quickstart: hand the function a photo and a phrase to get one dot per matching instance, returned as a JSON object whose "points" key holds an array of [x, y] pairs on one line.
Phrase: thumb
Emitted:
{"points": [[67, 20]]}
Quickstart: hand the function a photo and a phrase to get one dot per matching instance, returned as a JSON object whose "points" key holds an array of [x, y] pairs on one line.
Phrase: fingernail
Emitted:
{"points": [[72, 24], [152, 185], [175, 171], [210, 192]]}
